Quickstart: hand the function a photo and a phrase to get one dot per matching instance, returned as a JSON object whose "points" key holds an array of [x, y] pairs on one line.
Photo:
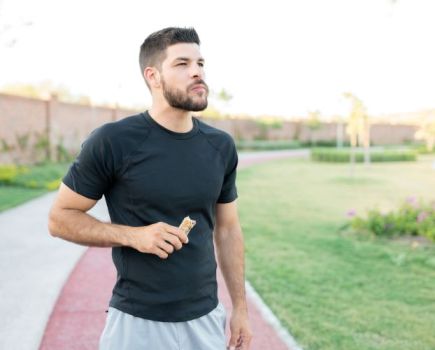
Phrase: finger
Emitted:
{"points": [[166, 247], [240, 341], [245, 340], [172, 239], [160, 253], [239, 345], [233, 340], [177, 232], [243, 345]]}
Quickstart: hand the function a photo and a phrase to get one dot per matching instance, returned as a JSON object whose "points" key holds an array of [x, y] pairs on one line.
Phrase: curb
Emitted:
{"points": [[270, 318]]}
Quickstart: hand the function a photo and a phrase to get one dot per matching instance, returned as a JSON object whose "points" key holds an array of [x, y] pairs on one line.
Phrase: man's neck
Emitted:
{"points": [[173, 119]]}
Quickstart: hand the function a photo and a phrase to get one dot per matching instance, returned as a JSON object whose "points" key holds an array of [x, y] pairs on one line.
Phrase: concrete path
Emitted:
{"points": [[34, 268], [53, 293]]}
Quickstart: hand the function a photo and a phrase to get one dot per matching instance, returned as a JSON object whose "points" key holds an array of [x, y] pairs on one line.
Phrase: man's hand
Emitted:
{"points": [[241, 333], [160, 239]]}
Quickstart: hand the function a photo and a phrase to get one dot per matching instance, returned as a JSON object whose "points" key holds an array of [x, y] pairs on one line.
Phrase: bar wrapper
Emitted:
{"points": [[187, 224]]}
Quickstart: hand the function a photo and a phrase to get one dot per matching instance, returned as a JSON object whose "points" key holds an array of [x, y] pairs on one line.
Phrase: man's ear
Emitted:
{"points": [[152, 76]]}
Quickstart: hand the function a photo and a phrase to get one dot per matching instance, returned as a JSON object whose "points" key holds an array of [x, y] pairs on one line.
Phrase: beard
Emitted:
{"points": [[179, 99]]}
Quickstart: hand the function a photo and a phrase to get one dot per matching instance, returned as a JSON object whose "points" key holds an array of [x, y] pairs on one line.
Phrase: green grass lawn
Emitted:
{"points": [[11, 196], [330, 290], [30, 184]]}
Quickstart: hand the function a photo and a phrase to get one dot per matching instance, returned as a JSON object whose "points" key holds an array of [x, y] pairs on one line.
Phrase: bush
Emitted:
{"points": [[53, 185], [413, 218], [323, 143], [47, 176], [421, 149], [10, 172], [264, 145], [342, 155]]}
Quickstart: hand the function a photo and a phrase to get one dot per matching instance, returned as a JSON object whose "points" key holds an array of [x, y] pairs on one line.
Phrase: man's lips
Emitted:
{"points": [[198, 88]]}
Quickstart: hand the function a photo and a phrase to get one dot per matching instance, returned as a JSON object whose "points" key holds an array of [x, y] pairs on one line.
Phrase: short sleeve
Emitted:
{"points": [[229, 189], [92, 172]]}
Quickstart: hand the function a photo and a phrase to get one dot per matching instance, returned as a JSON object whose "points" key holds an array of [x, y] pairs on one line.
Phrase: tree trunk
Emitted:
{"points": [[367, 144], [353, 142], [340, 129]]}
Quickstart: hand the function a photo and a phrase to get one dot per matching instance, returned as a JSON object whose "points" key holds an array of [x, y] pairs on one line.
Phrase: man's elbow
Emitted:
{"points": [[53, 227]]}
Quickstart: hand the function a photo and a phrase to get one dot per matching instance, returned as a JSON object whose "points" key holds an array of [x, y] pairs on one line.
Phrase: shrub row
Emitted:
{"points": [[421, 149], [265, 145], [412, 218], [254, 145], [46, 176], [323, 143], [8, 173], [343, 155]]}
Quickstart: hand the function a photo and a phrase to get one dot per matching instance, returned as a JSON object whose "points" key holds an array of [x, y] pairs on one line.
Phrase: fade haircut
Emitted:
{"points": [[153, 50]]}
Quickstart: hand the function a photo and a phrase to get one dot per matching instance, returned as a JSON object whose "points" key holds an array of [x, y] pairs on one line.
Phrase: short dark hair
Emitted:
{"points": [[153, 49]]}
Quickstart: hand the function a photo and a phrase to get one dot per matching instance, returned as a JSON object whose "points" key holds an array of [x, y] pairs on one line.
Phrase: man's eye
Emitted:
{"points": [[201, 64], [182, 64]]}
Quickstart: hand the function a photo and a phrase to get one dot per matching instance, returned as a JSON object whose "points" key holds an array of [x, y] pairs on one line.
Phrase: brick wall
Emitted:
{"points": [[60, 123], [20, 118], [68, 125]]}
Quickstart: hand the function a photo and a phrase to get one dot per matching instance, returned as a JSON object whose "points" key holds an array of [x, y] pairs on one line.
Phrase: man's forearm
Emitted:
{"points": [[76, 226], [230, 251]]}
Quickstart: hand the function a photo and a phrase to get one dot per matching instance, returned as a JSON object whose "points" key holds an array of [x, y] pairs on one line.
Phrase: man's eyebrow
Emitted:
{"points": [[188, 59]]}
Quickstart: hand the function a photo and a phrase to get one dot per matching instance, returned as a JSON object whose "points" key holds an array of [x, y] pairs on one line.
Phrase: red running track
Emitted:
{"points": [[79, 314]]}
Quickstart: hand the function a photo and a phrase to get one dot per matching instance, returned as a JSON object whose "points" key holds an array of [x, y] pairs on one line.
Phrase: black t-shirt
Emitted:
{"points": [[148, 174]]}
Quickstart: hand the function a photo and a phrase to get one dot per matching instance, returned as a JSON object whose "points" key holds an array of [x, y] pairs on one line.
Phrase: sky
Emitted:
{"points": [[283, 58]]}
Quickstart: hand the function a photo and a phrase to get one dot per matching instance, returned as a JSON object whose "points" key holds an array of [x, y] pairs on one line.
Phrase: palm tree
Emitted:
{"points": [[426, 131], [313, 124], [358, 128]]}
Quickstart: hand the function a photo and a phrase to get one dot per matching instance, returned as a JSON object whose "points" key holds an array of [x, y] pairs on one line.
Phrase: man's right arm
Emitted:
{"points": [[68, 220]]}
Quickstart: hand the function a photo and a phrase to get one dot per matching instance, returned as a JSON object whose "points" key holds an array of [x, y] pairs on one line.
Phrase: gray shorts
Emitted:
{"points": [[126, 332]]}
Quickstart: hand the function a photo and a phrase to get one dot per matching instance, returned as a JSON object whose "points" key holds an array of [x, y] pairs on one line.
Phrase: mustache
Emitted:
{"points": [[198, 82]]}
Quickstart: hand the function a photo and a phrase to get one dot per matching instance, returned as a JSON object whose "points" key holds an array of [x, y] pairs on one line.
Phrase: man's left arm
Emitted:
{"points": [[230, 251]]}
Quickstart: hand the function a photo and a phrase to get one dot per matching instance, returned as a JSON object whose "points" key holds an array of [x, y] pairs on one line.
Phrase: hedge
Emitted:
{"points": [[343, 155], [264, 145], [47, 176]]}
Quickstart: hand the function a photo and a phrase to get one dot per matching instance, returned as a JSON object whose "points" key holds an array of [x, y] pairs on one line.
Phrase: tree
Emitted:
{"points": [[358, 128], [44, 90], [223, 98], [313, 124], [339, 131], [426, 131]]}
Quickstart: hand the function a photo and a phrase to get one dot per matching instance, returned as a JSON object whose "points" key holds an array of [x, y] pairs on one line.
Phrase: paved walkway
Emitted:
{"points": [[53, 294]]}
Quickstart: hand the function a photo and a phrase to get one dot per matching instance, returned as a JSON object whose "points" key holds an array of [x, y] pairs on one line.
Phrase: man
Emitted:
{"points": [[154, 169]]}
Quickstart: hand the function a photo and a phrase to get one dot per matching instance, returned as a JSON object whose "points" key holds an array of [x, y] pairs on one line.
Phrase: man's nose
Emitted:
{"points": [[196, 71]]}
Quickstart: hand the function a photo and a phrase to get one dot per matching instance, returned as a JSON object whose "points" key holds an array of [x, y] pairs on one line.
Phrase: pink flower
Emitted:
{"points": [[351, 213], [411, 200], [422, 216]]}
